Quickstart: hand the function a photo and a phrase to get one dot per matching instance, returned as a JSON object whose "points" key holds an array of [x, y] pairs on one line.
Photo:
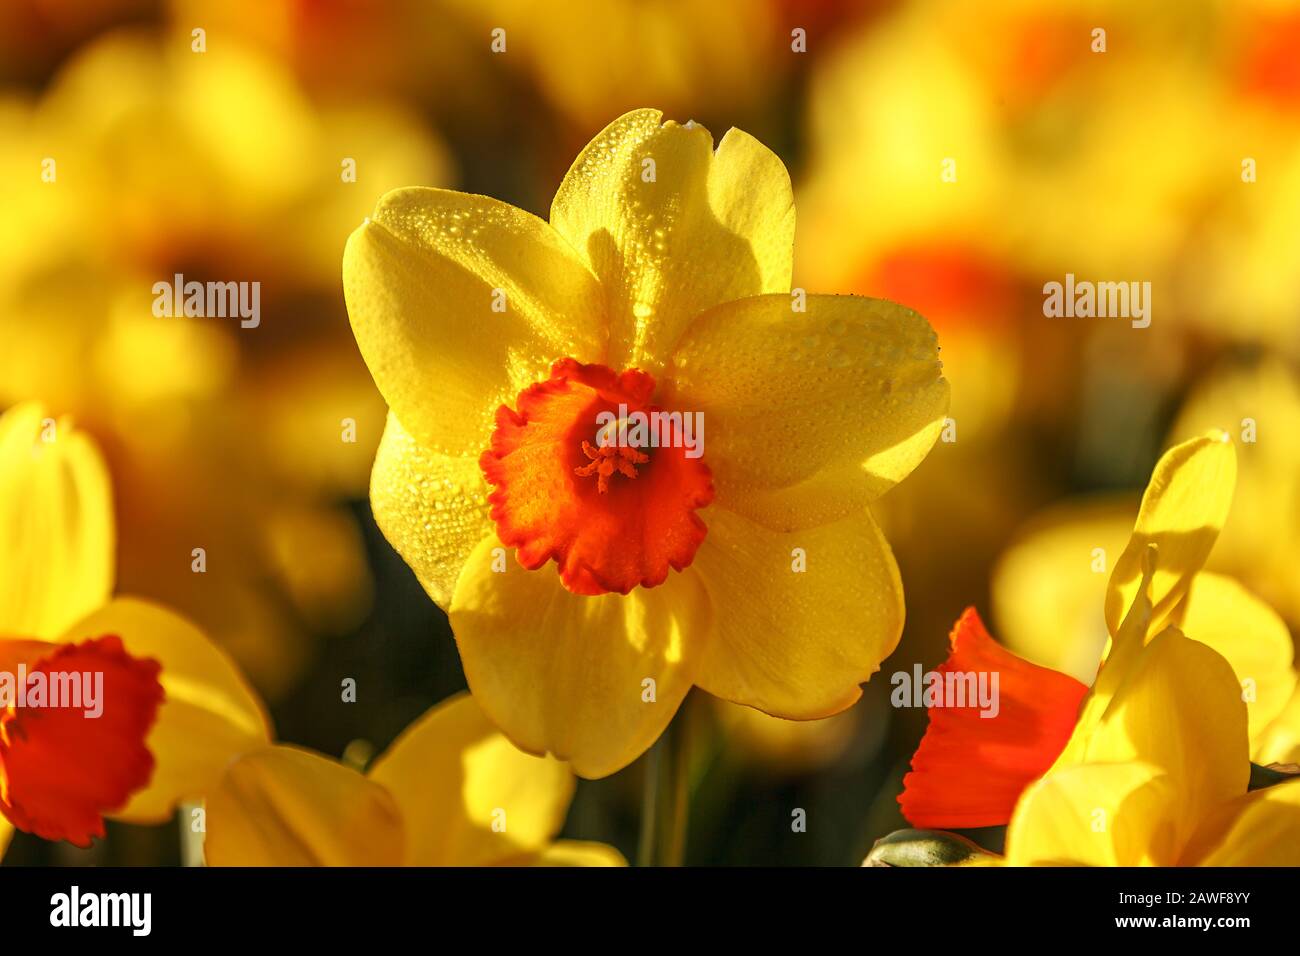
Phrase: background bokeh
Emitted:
{"points": [[1171, 157]]}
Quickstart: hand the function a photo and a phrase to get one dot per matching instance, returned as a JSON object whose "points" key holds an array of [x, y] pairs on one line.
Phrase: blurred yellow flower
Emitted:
{"points": [[1243, 269], [423, 49], [450, 791], [57, 613], [1260, 402], [960, 175], [593, 60], [237, 441], [786, 747], [497, 338], [883, 217], [1056, 569]]}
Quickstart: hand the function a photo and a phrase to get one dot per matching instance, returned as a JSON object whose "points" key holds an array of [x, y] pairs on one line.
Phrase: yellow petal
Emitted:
{"points": [[579, 853], [285, 806], [673, 228], [1179, 708], [1049, 586], [6, 834], [1279, 742], [467, 795], [1256, 829], [573, 675], [209, 715], [1124, 651], [421, 279], [1249, 634], [795, 643], [432, 508], [1100, 814], [1183, 508], [56, 524], [810, 415]]}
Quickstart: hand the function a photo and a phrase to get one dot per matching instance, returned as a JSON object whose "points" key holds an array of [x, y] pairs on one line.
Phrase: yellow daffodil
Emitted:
{"points": [[660, 284], [1057, 570], [1151, 763], [450, 791], [173, 709]]}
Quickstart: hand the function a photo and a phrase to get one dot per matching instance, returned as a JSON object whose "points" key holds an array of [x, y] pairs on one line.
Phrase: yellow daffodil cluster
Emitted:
{"points": [[265, 378]]}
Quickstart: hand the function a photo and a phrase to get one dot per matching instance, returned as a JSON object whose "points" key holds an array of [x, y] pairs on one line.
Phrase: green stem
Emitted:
{"points": [[666, 794], [645, 850]]}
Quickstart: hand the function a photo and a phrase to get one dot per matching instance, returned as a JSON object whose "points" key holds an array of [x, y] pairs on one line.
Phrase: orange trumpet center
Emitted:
{"points": [[606, 461], [629, 526]]}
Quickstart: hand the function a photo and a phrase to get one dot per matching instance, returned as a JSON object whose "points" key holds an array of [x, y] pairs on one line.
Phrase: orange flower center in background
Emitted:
{"points": [[1270, 67], [568, 487], [951, 284], [62, 767]]}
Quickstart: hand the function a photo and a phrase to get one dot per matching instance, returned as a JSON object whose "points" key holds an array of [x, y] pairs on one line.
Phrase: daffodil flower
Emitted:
{"points": [[450, 791], [172, 707], [1056, 568], [1151, 763], [1161, 777], [661, 282]]}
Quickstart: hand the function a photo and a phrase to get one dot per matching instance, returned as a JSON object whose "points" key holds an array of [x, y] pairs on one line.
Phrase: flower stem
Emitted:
{"points": [[666, 796]]}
